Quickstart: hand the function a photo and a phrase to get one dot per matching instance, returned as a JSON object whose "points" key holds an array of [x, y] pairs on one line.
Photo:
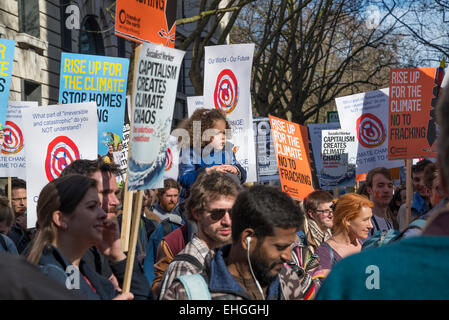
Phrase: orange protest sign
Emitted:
{"points": [[153, 21], [305, 139], [412, 129], [293, 163]]}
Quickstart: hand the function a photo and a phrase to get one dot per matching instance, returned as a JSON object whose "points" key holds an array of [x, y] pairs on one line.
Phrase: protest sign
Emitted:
{"points": [[121, 155], [152, 21], [6, 62], [339, 152], [155, 86], [227, 75], [293, 164], [55, 136], [172, 159], [102, 80], [194, 103], [412, 128], [12, 157], [329, 171], [267, 168], [365, 114]]}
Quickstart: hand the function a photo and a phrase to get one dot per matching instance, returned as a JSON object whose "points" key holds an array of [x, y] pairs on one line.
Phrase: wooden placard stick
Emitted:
{"points": [[9, 192], [409, 191], [133, 241], [126, 217], [127, 200]]}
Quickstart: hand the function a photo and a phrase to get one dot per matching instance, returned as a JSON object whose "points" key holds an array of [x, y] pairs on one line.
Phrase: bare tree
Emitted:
{"points": [[424, 26], [310, 52], [208, 23]]}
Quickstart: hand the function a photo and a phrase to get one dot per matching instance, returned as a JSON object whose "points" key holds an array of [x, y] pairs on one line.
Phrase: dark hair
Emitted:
{"points": [[362, 189], [421, 165], [443, 134], [207, 118], [315, 198], [209, 187], [168, 184], [16, 183], [264, 208], [6, 213], [430, 174], [89, 167], [379, 170], [396, 197], [63, 194]]}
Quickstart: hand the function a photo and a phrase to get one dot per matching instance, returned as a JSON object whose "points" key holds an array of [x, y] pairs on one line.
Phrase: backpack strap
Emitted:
{"points": [[189, 258], [376, 224], [195, 286]]}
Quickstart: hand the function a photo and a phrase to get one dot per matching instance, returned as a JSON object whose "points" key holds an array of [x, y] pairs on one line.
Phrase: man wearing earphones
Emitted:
{"points": [[264, 225]]}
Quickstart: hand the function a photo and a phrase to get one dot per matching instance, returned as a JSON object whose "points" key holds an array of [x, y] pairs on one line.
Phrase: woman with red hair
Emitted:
{"points": [[352, 223]]}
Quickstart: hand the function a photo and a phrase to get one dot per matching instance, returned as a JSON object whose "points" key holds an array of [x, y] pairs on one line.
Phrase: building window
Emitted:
{"points": [[31, 91], [91, 41], [121, 44], [66, 33], [29, 17]]}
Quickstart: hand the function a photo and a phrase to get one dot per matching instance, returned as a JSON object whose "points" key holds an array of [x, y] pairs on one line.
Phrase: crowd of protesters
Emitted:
{"points": [[210, 235]]}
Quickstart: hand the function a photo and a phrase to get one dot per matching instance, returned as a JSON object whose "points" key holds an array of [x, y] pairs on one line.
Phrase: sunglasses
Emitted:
{"points": [[218, 214]]}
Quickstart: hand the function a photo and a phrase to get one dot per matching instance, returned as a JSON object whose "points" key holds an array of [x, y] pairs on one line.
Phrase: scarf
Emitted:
{"points": [[316, 236]]}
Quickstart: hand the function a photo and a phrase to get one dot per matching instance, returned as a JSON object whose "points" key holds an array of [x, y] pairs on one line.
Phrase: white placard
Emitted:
{"points": [[172, 162], [158, 67], [194, 103], [12, 156], [55, 136], [366, 115], [227, 76], [339, 155]]}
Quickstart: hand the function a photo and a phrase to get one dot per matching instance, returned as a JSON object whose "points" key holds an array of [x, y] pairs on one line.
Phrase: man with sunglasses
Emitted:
{"points": [[208, 205]]}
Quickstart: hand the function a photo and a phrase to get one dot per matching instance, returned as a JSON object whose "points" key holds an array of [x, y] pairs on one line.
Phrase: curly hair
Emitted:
{"points": [[207, 119]]}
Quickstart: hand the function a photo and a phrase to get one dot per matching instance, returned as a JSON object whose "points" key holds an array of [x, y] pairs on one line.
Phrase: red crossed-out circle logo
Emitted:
{"points": [[226, 91], [370, 131], [12, 138], [60, 153], [169, 160]]}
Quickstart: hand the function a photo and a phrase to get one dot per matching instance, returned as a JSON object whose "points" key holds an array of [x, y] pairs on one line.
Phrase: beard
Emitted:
{"points": [[168, 206], [262, 268]]}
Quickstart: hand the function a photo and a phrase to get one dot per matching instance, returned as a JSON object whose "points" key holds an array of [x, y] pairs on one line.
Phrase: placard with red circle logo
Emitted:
{"points": [[370, 131], [12, 138], [61, 152], [226, 91], [55, 136]]}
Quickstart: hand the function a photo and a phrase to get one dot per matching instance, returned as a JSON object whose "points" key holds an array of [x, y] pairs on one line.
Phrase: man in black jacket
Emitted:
{"points": [[19, 232]]}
